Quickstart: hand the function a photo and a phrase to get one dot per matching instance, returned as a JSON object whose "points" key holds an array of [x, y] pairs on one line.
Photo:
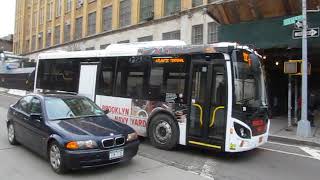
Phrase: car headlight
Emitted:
{"points": [[132, 137], [89, 144], [242, 131]]}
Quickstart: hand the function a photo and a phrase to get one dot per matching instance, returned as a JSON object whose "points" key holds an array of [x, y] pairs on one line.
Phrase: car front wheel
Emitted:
{"points": [[12, 134], [56, 158]]}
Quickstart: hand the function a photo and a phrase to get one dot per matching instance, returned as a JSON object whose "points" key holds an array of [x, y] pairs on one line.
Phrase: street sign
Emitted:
{"points": [[290, 67], [292, 20], [311, 32]]}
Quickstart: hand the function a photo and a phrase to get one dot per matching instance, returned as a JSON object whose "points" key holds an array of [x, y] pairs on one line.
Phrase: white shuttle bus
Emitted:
{"points": [[211, 96]]}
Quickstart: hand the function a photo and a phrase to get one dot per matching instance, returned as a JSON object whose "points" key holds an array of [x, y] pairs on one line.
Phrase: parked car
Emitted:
{"points": [[71, 131]]}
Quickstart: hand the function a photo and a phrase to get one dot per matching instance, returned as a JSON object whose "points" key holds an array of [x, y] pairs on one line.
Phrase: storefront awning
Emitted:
{"points": [[236, 11]]}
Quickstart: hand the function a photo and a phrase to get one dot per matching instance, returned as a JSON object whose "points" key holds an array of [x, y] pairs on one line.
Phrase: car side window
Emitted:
{"points": [[35, 106], [24, 104]]}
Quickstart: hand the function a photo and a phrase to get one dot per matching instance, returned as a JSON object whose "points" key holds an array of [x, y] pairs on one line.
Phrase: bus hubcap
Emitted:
{"points": [[163, 132], [55, 157], [11, 133]]}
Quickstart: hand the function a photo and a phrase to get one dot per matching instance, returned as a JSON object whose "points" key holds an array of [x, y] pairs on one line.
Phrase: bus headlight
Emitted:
{"points": [[242, 131]]}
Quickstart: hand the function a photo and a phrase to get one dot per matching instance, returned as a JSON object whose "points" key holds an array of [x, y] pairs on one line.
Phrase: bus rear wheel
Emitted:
{"points": [[163, 132]]}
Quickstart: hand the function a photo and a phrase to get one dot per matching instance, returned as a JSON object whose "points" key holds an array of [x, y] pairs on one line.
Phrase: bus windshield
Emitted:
{"points": [[249, 90]]}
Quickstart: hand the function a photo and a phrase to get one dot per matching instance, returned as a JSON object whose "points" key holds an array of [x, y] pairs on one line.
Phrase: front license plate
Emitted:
{"points": [[115, 154]]}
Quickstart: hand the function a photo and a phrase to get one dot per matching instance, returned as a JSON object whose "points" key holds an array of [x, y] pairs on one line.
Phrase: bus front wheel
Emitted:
{"points": [[163, 132]]}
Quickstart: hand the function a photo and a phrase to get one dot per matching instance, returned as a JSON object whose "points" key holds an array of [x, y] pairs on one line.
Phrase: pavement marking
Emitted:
{"points": [[284, 152], [5, 94], [313, 152], [207, 169], [289, 145]]}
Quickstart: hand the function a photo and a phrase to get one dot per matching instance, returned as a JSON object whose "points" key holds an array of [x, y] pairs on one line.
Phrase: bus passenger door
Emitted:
{"points": [[206, 125], [88, 79]]}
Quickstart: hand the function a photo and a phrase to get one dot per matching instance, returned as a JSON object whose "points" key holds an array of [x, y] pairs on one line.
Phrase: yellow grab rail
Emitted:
{"points": [[214, 115], [201, 112]]}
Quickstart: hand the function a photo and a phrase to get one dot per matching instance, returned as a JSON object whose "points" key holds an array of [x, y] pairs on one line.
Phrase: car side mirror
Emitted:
{"points": [[36, 117], [106, 111]]}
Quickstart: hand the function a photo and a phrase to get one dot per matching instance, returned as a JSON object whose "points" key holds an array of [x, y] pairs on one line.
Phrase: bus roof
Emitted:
{"points": [[143, 48]]}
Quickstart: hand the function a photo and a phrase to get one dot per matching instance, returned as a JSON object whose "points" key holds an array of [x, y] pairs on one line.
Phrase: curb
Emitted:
{"points": [[283, 139]]}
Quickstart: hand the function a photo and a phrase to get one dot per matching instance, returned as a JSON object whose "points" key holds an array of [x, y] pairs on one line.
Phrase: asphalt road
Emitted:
{"points": [[272, 161]]}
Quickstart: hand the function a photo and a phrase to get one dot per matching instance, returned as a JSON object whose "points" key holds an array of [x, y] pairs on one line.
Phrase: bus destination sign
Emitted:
{"points": [[168, 60]]}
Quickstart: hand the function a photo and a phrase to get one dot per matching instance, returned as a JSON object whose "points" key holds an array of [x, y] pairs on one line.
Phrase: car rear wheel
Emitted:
{"points": [[12, 135], [56, 158], [163, 132]]}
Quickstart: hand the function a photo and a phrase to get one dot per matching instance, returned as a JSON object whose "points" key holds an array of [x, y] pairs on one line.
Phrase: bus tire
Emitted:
{"points": [[163, 132]]}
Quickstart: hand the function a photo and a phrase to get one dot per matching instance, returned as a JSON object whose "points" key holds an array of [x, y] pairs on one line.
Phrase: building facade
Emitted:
{"points": [[6, 43], [47, 25]]}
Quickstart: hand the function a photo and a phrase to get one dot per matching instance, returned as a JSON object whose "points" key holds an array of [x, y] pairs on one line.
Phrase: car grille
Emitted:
{"points": [[111, 142]]}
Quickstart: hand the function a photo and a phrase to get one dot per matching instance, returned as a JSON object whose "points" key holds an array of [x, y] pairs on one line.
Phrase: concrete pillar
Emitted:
{"points": [[135, 11], [115, 14], [62, 21], [73, 19], [85, 18], [99, 17], [158, 9]]}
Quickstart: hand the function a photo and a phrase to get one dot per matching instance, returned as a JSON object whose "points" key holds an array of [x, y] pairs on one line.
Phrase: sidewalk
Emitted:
{"points": [[279, 132]]}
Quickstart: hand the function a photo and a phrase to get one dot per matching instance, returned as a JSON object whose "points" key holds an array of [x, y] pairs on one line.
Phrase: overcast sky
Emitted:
{"points": [[7, 13]]}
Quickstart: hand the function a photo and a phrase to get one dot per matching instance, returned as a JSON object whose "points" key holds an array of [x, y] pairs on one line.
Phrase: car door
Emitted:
{"points": [[36, 126], [21, 116]]}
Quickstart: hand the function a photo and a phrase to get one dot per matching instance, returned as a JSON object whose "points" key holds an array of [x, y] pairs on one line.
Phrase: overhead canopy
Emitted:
{"points": [[236, 11]]}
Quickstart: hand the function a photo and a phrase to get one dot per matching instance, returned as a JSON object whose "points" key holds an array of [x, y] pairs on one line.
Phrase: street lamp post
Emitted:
{"points": [[304, 128]]}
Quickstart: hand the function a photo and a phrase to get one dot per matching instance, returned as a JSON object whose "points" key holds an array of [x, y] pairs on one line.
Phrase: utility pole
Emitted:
{"points": [[304, 128]]}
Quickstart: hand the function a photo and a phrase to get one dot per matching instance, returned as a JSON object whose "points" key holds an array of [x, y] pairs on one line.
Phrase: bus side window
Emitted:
{"points": [[167, 82], [219, 97], [132, 75], [106, 77]]}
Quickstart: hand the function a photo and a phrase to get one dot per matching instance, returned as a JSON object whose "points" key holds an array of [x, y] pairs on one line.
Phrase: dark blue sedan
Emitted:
{"points": [[71, 131]]}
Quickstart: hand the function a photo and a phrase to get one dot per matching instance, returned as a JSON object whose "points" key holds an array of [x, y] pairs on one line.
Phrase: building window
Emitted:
{"points": [[41, 15], [68, 5], [48, 39], [125, 13], [67, 29], [49, 10], [79, 3], [197, 3], [197, 34], [212, 1], [33, 43], [172, 6], [40, 41], [171, 35], [34, 19], [57, 35], [212, 32], [58, 8], [145, 39], [104, 46], [107, 18], [90, 48], [124, 41], [92, 23], [78, 33], [146, 9]]}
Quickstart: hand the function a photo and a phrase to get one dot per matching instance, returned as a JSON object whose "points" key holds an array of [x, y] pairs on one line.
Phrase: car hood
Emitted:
{"points": [[90, 126]]}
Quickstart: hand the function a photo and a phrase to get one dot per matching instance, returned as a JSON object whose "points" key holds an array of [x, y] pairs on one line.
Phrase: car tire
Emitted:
{"points": [[12, 134], [163, 132], [56, 159]]}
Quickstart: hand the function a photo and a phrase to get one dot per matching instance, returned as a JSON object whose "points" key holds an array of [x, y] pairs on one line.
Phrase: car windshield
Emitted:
{"points": [[65, 108], [248, 80]]}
